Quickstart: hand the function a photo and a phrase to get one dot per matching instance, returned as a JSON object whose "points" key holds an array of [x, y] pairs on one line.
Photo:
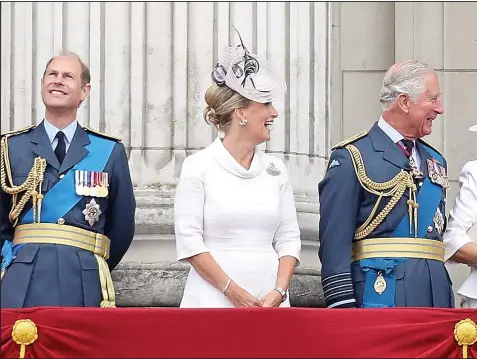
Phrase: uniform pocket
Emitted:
{"points": [[27, 253], [90, 279]]}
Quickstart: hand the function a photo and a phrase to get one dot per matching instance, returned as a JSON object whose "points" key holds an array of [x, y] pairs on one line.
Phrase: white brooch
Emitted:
{"points": [[272, 170], [92, 212]]}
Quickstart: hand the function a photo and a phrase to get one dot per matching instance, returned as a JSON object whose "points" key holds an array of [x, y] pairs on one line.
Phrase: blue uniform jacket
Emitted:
{"points": [[345, 205], [60, 275]]}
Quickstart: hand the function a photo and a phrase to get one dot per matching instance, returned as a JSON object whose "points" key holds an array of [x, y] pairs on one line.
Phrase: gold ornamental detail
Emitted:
{"points": [[24, 333], [465, 334]]}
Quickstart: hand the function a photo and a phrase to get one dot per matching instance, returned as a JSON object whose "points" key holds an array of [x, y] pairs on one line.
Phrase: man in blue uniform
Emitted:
{"points": [[67, 201], [382, 204]]}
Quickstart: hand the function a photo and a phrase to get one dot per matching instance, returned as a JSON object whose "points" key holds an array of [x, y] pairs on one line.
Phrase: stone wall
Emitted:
{"points": [[151, 65]]}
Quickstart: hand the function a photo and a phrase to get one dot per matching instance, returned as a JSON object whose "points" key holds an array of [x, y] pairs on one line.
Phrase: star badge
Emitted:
{"points": [[92, 212]]}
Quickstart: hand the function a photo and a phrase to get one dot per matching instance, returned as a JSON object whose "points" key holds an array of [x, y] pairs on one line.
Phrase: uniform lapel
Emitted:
{"points": [[41, 145], [391, 152], [77, 151]]}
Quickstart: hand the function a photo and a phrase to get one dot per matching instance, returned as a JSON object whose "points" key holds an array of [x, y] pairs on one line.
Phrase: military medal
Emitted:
{"points": [[438, 221], [105, 183], [102, 191], [272, 170], [78, 185], [86, 183], [416, 173], [92, 212], [437, 173], [93, 189], [380, 284]]}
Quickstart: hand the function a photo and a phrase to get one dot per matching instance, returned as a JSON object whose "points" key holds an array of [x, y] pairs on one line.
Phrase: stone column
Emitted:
{"points": [[150, 65], [168, 125]]}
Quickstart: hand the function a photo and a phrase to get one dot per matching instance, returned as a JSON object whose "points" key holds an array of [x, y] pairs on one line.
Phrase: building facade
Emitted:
{"points": [[151, 63]]}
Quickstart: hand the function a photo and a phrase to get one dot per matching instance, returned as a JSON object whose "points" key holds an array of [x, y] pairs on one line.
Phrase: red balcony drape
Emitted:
{"points": [[256, 332]]}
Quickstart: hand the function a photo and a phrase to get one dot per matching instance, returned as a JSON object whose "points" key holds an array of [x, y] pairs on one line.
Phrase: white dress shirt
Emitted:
{"points": [[396, 137], [69, 132], [462, 218]]}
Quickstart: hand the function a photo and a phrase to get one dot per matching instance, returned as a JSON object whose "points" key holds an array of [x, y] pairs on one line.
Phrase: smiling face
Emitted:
{"points": [[425, 110], [260, 117], [62, 87]]}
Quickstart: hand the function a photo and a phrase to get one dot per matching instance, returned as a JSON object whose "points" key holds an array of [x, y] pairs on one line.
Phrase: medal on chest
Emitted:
{"points": [[92, 212], [380, 284], [91, 183], [437, 173], [438, 221]]}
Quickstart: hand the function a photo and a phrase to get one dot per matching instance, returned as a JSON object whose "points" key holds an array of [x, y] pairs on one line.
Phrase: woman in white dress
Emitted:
{"points": [[463, 216], [234, 211]]}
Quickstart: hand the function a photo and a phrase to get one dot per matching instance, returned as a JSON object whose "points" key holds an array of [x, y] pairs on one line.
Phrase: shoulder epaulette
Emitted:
{"points": [[111, 137], [17, 132], [428, 145], [349, 140]]}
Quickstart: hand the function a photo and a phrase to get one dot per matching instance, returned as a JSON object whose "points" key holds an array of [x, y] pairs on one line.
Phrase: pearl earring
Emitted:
{"points": [[243, 122]]}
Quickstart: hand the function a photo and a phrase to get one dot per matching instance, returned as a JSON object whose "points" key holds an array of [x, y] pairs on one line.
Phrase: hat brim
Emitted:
{"points": [[269, 84], [473, 128]]}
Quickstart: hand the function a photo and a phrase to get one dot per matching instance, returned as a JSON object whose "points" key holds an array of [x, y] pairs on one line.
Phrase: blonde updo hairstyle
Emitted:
{"points": [[222, 101]]}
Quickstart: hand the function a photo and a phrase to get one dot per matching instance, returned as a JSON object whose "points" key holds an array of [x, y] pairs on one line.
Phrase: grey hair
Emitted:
{"points": [[403, 78]]}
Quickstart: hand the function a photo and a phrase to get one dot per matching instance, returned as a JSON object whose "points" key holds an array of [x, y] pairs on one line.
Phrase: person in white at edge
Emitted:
{"points": [[458, 244], [234, 210]]}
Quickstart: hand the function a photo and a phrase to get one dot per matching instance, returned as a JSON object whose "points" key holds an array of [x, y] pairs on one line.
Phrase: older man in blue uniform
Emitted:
{"points": [[67, 202], [382, 204]]}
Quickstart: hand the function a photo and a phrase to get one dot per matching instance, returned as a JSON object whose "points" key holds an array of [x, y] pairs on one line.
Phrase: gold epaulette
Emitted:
{"points": [[111, 137], [350, 140], [17, 132]]}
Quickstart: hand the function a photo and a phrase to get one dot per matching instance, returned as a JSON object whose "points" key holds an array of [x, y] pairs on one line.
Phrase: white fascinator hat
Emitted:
{"points": [[252, 77], [473, 128]]}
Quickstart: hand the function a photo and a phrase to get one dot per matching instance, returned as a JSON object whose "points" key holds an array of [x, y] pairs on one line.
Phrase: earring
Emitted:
{"points": [[243, 122]]}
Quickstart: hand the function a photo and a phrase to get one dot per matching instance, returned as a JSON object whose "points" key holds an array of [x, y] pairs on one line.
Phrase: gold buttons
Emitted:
{"points": [[61, 176], [61, 221]]}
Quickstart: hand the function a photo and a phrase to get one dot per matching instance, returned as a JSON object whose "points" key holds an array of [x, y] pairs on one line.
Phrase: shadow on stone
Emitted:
{"points": [[162, 285]]}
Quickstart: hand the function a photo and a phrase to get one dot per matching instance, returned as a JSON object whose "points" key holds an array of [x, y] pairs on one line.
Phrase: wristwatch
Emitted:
{"points": [[282, 293]]}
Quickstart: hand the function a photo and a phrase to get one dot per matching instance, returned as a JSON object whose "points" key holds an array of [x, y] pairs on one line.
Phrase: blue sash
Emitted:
{"points": [[429, 197], [62, 197]]}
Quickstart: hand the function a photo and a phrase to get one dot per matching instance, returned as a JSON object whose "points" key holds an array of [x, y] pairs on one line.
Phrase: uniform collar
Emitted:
{"points": [[69, 131], [389, 130]]}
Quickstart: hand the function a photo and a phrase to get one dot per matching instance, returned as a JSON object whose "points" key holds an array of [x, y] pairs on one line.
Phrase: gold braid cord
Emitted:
{"points": [[393, 188], [31, 187]]}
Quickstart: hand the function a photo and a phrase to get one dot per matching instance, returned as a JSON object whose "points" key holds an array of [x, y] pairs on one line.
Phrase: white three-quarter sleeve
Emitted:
{"points": [[287, 240], [189, 210], [463, 215]]}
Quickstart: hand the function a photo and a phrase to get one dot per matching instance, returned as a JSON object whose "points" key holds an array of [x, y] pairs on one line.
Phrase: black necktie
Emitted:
{"points": [[60, 150], [409, 146]]}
